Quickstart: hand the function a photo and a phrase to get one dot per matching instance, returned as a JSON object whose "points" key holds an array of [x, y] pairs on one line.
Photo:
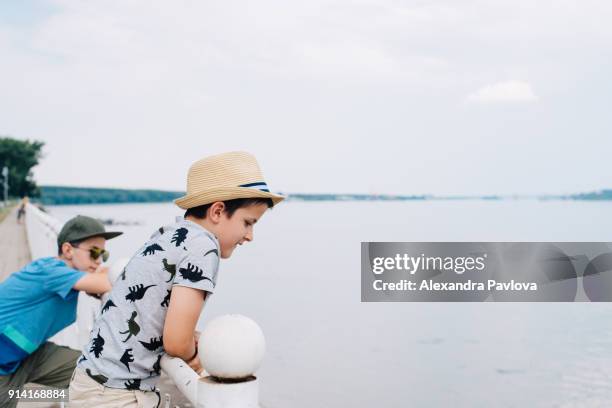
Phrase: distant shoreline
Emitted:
{"points": [[59, 195]]}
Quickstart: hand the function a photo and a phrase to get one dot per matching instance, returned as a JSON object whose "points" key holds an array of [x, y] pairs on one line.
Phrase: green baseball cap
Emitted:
{"points": [[83, 227]]}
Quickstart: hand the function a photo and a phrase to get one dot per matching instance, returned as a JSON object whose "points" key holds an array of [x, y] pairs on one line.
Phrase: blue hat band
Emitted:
{"points": [[262, 186]]}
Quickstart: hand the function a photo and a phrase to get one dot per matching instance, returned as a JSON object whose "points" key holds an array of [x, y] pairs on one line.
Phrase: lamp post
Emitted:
{"points": [[5, 182]]}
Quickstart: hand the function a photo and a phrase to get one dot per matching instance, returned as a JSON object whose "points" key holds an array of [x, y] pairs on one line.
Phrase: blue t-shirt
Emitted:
{"points": [[35, 303]]}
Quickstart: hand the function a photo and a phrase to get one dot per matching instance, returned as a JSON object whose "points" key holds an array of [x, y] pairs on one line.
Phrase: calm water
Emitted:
{"points": [[300, 280]]}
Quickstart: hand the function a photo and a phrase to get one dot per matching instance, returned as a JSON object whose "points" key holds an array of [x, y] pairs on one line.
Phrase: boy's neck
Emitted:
{"points": [[202, 222], [66, 261]]}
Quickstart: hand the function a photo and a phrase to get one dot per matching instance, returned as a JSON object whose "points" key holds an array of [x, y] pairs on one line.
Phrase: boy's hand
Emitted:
{"points": [[96, 282], [102, 269], [195, 364]]}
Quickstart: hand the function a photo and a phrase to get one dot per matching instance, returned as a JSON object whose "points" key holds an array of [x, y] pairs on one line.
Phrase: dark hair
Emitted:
{"points": [[230, 206], [73, 243]]}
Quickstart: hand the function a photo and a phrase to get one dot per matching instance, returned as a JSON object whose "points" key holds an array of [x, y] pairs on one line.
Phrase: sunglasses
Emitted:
{"points": [[96, 252]]}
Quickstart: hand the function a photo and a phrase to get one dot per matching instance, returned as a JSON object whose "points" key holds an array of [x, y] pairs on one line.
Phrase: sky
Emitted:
{"points": [[365, 96]]}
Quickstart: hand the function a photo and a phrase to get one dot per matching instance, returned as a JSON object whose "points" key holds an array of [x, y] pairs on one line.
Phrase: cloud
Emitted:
{"points": [[504, 92], [193, 78]]}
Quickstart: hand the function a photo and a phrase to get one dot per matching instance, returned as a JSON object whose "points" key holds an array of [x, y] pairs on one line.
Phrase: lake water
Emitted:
{"points": [[300, 280]]}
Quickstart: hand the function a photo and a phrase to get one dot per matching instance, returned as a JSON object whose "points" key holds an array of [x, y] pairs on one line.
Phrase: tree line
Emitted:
{"points": [[58, 195], [19, 157]]}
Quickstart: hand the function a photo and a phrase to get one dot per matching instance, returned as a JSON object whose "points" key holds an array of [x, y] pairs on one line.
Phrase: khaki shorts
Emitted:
{"points": [[87, 393]]}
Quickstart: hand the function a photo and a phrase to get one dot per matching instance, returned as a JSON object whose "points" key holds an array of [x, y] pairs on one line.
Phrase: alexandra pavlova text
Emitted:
{"points": [[469, 285]]}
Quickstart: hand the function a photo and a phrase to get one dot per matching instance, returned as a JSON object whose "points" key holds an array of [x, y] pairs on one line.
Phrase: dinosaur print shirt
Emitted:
{"points": [[126, 343]]}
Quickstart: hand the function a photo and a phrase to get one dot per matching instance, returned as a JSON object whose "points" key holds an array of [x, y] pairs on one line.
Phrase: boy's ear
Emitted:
{"points": [[67, 250], [215, 211]]}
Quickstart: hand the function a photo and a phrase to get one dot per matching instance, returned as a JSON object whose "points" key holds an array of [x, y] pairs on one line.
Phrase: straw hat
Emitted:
{"points": [[223, 177]]}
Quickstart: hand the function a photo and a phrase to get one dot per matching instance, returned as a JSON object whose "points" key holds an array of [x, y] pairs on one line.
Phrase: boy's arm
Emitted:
{"points": [[96, 282], [181, 319]]}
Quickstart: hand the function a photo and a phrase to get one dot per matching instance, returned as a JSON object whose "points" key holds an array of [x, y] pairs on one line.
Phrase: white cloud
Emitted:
{"points": [[507, 91]]}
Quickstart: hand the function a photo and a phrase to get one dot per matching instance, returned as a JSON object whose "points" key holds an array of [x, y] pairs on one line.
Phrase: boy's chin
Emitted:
{"points": [[226, 253]]}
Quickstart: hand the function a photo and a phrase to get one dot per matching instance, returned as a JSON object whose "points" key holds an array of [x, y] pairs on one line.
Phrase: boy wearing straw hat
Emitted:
{"points": [[155, 304]]}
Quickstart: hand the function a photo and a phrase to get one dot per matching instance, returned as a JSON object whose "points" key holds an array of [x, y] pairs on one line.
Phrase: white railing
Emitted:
{"points": [[42, 231]]}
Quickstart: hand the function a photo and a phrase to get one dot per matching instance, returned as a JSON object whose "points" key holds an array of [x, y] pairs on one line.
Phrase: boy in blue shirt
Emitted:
{"points": [[41, 299]]}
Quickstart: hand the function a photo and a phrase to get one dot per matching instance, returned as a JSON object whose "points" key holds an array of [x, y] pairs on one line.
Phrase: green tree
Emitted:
{"points": [[20, 156]]}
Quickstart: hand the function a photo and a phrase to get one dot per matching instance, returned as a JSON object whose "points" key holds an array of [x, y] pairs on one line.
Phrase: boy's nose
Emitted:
{"points": [[249, 236]]}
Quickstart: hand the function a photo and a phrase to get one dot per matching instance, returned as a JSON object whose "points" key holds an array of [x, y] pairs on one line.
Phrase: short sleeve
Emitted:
{"points": [[198, 267], [61, 279]]}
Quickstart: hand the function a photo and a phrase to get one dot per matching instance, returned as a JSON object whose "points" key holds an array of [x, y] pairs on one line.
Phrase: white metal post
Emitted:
{"points": [[5, 173]]}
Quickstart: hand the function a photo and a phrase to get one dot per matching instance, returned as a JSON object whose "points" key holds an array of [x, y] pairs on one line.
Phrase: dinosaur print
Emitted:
{"points": [[156, 366], [97, 345], [83, 358], [170, 268], [180, 235], [127, 358], [193, 273], [212, 251], [137, 292], [99, 378], [153, 344], [133, 327], [108, 305], [132, 384], [150, 250], [166, 300], [132, 317]]}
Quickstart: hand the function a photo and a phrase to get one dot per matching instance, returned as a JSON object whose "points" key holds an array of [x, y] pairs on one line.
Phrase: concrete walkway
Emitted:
{"points": [[14, 250]]}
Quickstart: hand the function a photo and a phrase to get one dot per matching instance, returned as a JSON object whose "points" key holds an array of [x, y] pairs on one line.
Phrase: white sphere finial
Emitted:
{"points": [[231, 347]]}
